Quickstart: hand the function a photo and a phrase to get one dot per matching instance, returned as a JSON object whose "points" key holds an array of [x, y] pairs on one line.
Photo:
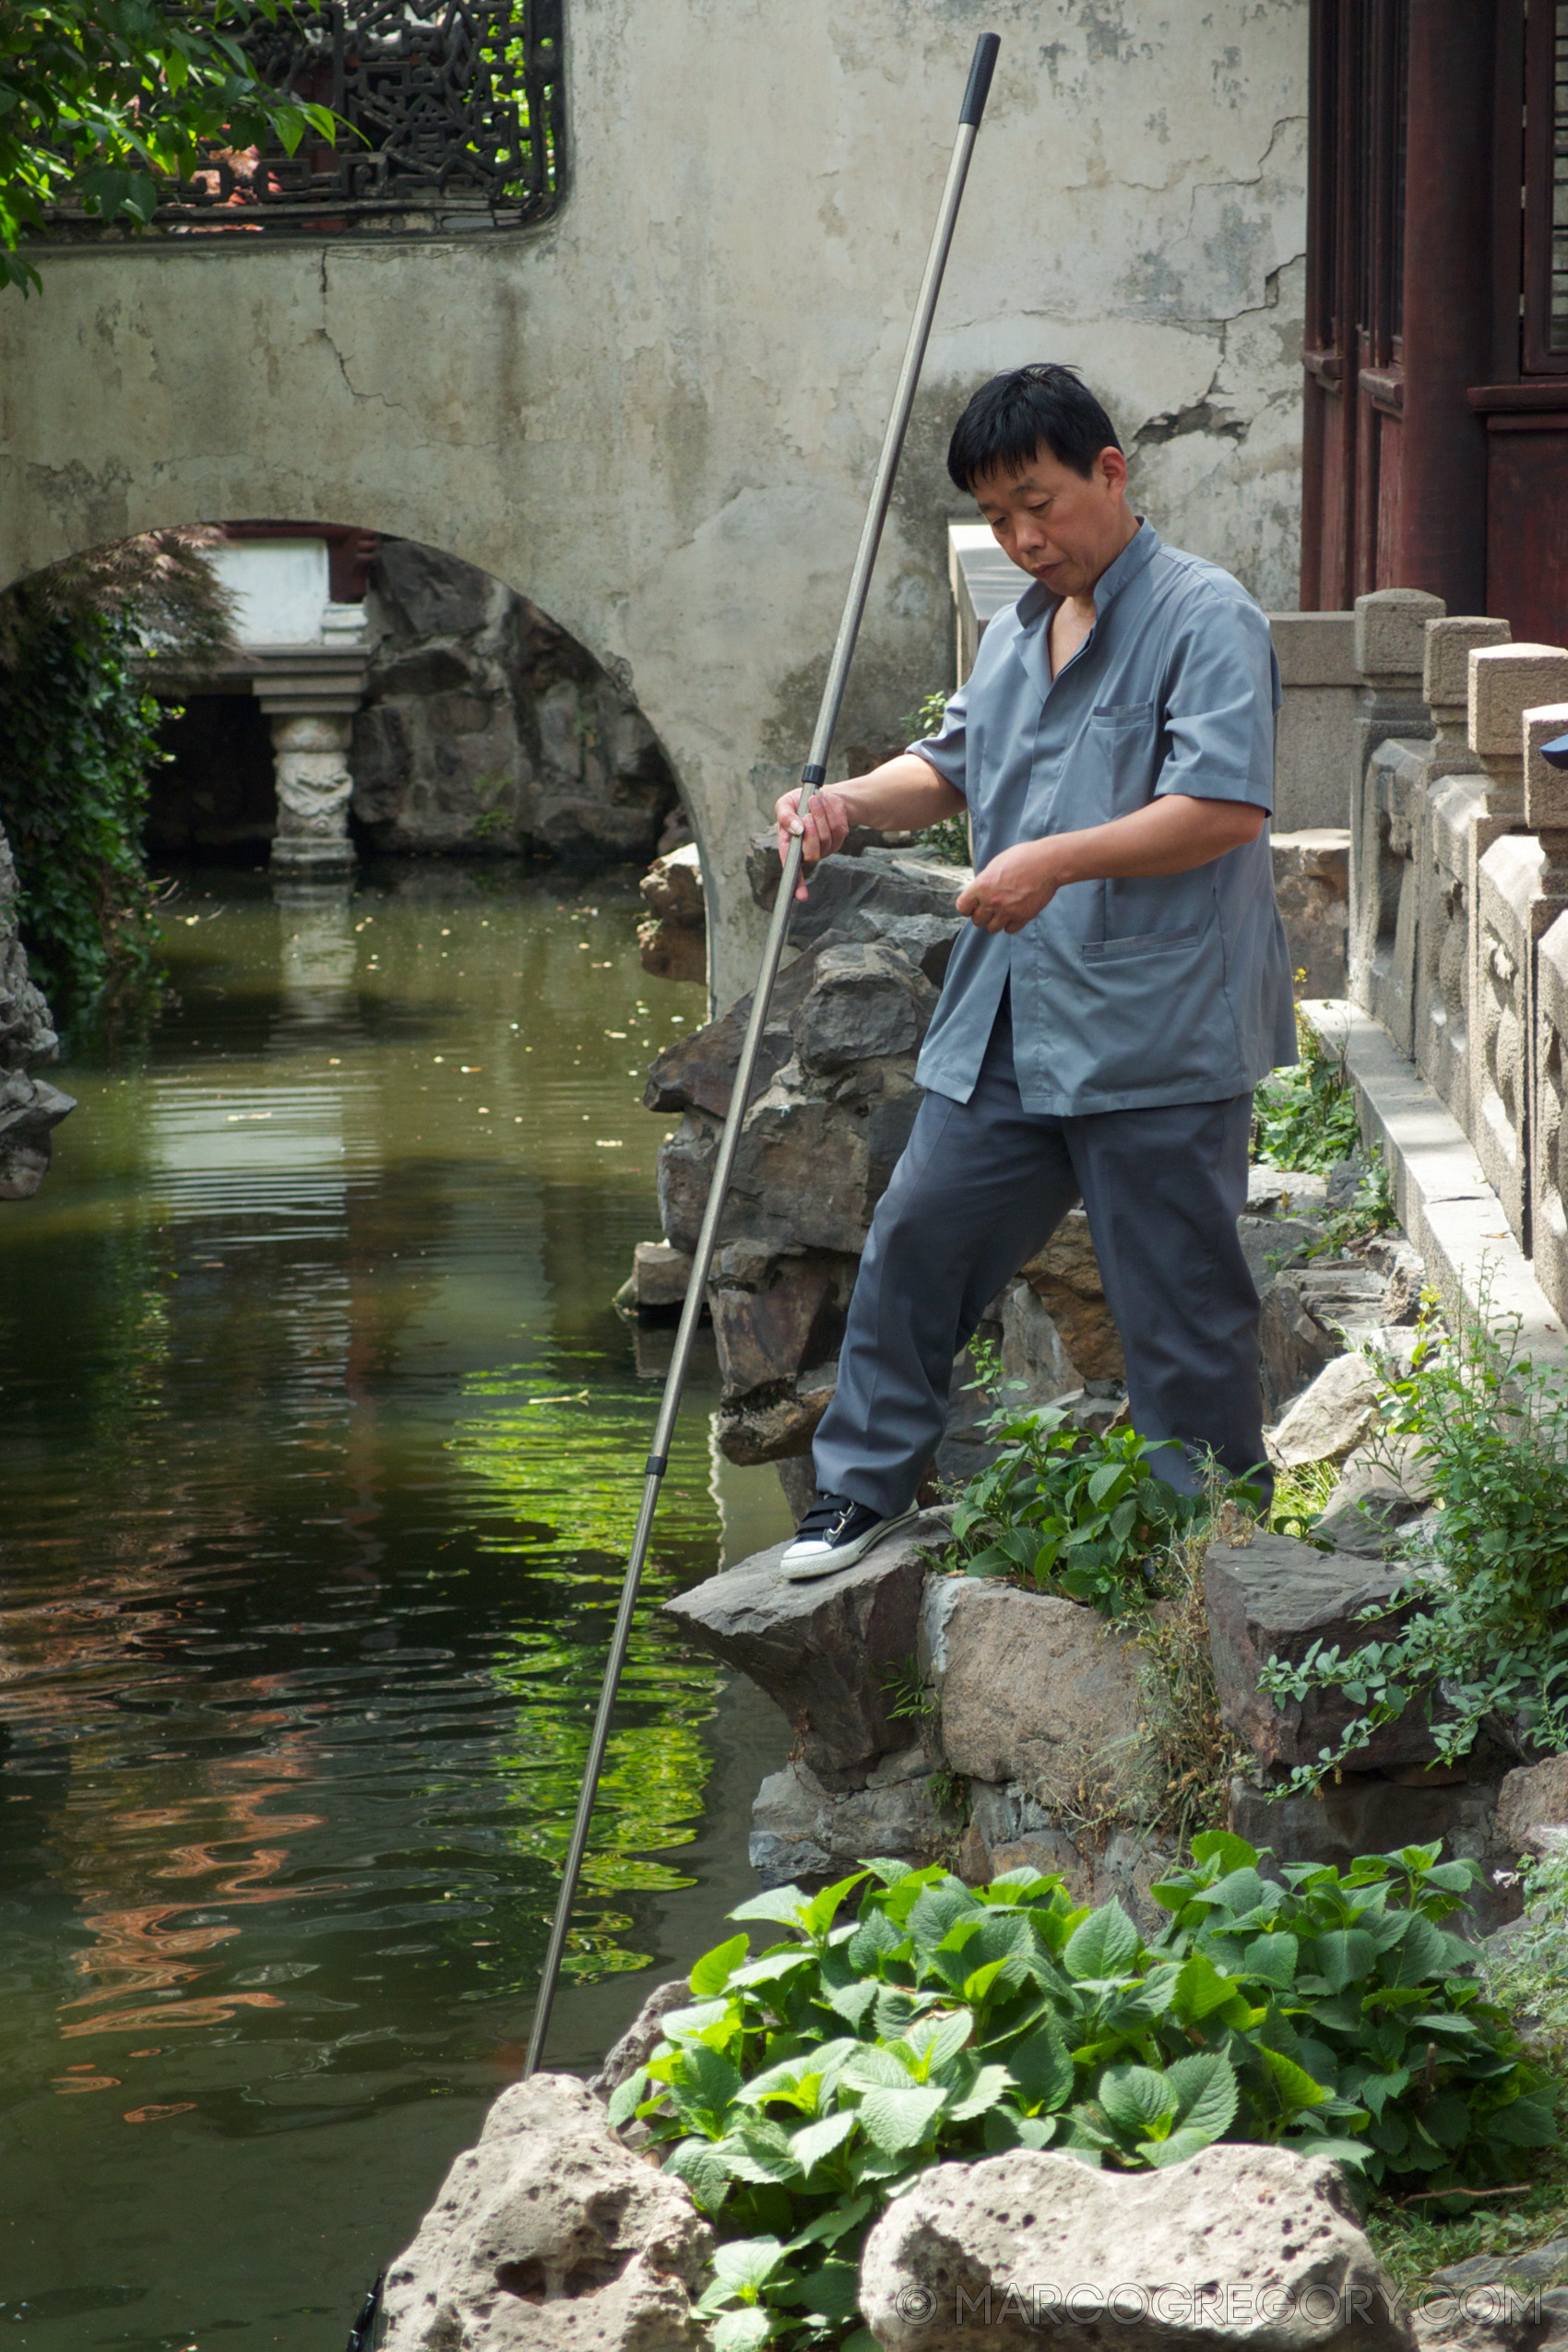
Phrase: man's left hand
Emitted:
{"points": [[1012, 889]]}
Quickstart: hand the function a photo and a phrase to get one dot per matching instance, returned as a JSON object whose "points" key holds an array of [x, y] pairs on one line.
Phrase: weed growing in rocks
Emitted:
{"points": [[1487, 1625], [1199, 1756], [1066, 1514], [1306, 1117], [803, 2088]]}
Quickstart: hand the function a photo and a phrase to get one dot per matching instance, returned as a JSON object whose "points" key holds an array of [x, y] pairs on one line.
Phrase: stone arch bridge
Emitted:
{"points": [[654, 410]]}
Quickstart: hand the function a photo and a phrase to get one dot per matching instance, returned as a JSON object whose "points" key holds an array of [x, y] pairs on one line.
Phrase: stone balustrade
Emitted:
{"points": [[1458, 939]]}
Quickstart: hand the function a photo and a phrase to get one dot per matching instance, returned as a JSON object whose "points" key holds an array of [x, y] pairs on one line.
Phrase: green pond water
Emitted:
{"points": [[321, 1452]]}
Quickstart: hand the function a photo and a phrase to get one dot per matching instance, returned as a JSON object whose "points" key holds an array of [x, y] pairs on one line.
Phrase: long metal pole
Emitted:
{"points": [[813, 775]]}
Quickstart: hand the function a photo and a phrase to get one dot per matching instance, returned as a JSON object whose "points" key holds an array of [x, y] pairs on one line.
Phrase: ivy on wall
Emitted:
{"points": [[78, 735]]}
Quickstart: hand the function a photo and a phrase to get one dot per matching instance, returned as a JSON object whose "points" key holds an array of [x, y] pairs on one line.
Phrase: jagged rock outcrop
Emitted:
{"points": [[672, 935], [551, 2236], [486, 729], [30, 1108]]}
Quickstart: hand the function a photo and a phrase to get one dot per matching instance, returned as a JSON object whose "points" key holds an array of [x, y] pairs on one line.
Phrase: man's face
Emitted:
{"points": [[1062, 529]]}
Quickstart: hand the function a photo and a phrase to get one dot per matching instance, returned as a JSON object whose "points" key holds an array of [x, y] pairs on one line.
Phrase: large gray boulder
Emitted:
{"points": [[1238, 2248], [894, 882], [552, 2236], [1274, 1598], [822, 1651], [1378, 1493], [1039, 1692]]}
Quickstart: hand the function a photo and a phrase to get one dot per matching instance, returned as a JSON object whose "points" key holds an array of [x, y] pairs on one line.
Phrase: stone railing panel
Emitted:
{"points": [[1548, 1131], [1386, 886], [1446, 683], [1506, 680], [1519, 896], [1453, 806]]}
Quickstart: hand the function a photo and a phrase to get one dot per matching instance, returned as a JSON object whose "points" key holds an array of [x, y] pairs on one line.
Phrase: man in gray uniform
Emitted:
{"points": [[1122, 986]]}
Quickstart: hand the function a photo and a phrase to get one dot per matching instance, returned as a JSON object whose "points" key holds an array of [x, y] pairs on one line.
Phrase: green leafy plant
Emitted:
{"points": [[1483, 1622], [1068, 1514], [1306, 1117], [803, 2088], [101, 102], [1371, 1210], [948, 840]]}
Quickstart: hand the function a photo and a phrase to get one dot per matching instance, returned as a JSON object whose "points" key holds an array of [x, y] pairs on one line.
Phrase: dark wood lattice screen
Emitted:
{"points": [[458, 105]]}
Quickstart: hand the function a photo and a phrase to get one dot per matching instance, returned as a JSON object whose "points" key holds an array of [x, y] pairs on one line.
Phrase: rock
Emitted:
{"points": [[821, 1651], [673, 938], [697, 1072], [900, 883], [672, 888], [1336, 1414], [772, 1424], [1285, 1192], [864, 1003], [551, 2233], [1239, 2247], [1311, 885], [1495, 2319], [789, 1315], [1292, 1344], [1064, 1278], [1033, 1350], [1039, 1691], [1276, 1598], [660, 1275], [486, 729], [1532, 1809], [1270, 1242], [1345, 1181], [1373, 1812], [672, 951], [1540, 2266], [641, 2038], [30, 1108], [801, 1830], [1375, 1498]]}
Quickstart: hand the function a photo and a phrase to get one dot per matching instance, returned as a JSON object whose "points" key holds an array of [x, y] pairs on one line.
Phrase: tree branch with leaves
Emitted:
{"points": [[104, 101]]}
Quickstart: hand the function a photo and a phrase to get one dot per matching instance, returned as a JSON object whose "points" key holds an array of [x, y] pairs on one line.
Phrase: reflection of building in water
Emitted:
{"points": [[319, 955]]}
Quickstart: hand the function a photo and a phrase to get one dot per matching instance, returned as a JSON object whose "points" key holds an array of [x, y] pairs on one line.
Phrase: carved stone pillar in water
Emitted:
{"points": [[311, 758]]}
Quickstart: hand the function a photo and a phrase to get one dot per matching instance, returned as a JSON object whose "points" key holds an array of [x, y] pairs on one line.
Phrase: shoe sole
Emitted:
{"points": [[830, 1563]]}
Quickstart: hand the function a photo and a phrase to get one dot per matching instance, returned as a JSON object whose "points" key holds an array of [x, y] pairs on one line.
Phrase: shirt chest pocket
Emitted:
{"points": [[1121, 744]]}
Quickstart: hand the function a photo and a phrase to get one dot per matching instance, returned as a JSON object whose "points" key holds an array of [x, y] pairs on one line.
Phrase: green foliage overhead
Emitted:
{"points": [[803, 2088], [1486, 1629], [100, 101], [78, 736]]}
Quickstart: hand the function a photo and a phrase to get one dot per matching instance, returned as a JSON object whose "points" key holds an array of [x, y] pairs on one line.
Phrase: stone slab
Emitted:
{"points": [[822, 1651], [1274, 1598], [1444, 1201]]}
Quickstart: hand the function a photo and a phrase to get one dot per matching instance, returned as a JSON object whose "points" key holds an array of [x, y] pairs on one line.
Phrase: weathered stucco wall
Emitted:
{"points": [[656, 415]]}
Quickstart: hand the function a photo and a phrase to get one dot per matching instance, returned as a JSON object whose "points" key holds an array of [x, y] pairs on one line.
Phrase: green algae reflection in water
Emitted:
{"points": [[565, 1465]]}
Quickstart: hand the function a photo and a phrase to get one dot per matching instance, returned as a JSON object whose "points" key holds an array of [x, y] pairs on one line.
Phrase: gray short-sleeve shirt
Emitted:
{"points": [[1174, 988]]}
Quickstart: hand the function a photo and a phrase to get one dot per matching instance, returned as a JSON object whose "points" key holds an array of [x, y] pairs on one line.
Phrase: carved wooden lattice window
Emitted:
{"points": [[458, 110]]}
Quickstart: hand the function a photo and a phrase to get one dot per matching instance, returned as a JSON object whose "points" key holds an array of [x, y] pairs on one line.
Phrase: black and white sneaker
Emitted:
{"points": [[834, 1534]]}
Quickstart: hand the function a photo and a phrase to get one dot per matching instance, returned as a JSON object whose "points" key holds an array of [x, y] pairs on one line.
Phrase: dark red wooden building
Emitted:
{"points": [[1436, 430]]}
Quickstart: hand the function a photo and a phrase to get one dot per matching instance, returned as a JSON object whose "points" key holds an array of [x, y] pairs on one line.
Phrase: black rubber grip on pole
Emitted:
{"points": [[980, 71], [656, 1465], [814, 774]]}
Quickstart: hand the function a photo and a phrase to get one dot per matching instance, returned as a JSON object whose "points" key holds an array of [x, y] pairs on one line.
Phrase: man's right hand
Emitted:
{"points": [[823, 828]]}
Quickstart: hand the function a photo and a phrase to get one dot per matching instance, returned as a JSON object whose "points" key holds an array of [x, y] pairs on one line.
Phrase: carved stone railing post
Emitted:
{"points": [[1545, 812], [1390, 644], [1519, 892], [1454, 794]]}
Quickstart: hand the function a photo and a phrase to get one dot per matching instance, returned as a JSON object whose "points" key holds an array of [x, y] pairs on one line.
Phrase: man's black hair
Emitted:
{"points": [[1010, 417]]}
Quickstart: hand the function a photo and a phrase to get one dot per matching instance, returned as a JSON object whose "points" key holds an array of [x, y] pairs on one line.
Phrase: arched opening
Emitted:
{"points": [[385, 696]]}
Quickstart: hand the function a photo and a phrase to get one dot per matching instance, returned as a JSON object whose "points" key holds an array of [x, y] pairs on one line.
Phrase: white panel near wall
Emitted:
{"points": [[281, 586]]}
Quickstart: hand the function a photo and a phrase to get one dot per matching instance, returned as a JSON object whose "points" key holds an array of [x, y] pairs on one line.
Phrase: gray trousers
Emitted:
{"points": [[981, 1187]]}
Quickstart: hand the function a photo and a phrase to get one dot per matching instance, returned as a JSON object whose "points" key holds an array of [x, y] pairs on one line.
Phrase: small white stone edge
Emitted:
{"points": [[1447, 1208]]}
